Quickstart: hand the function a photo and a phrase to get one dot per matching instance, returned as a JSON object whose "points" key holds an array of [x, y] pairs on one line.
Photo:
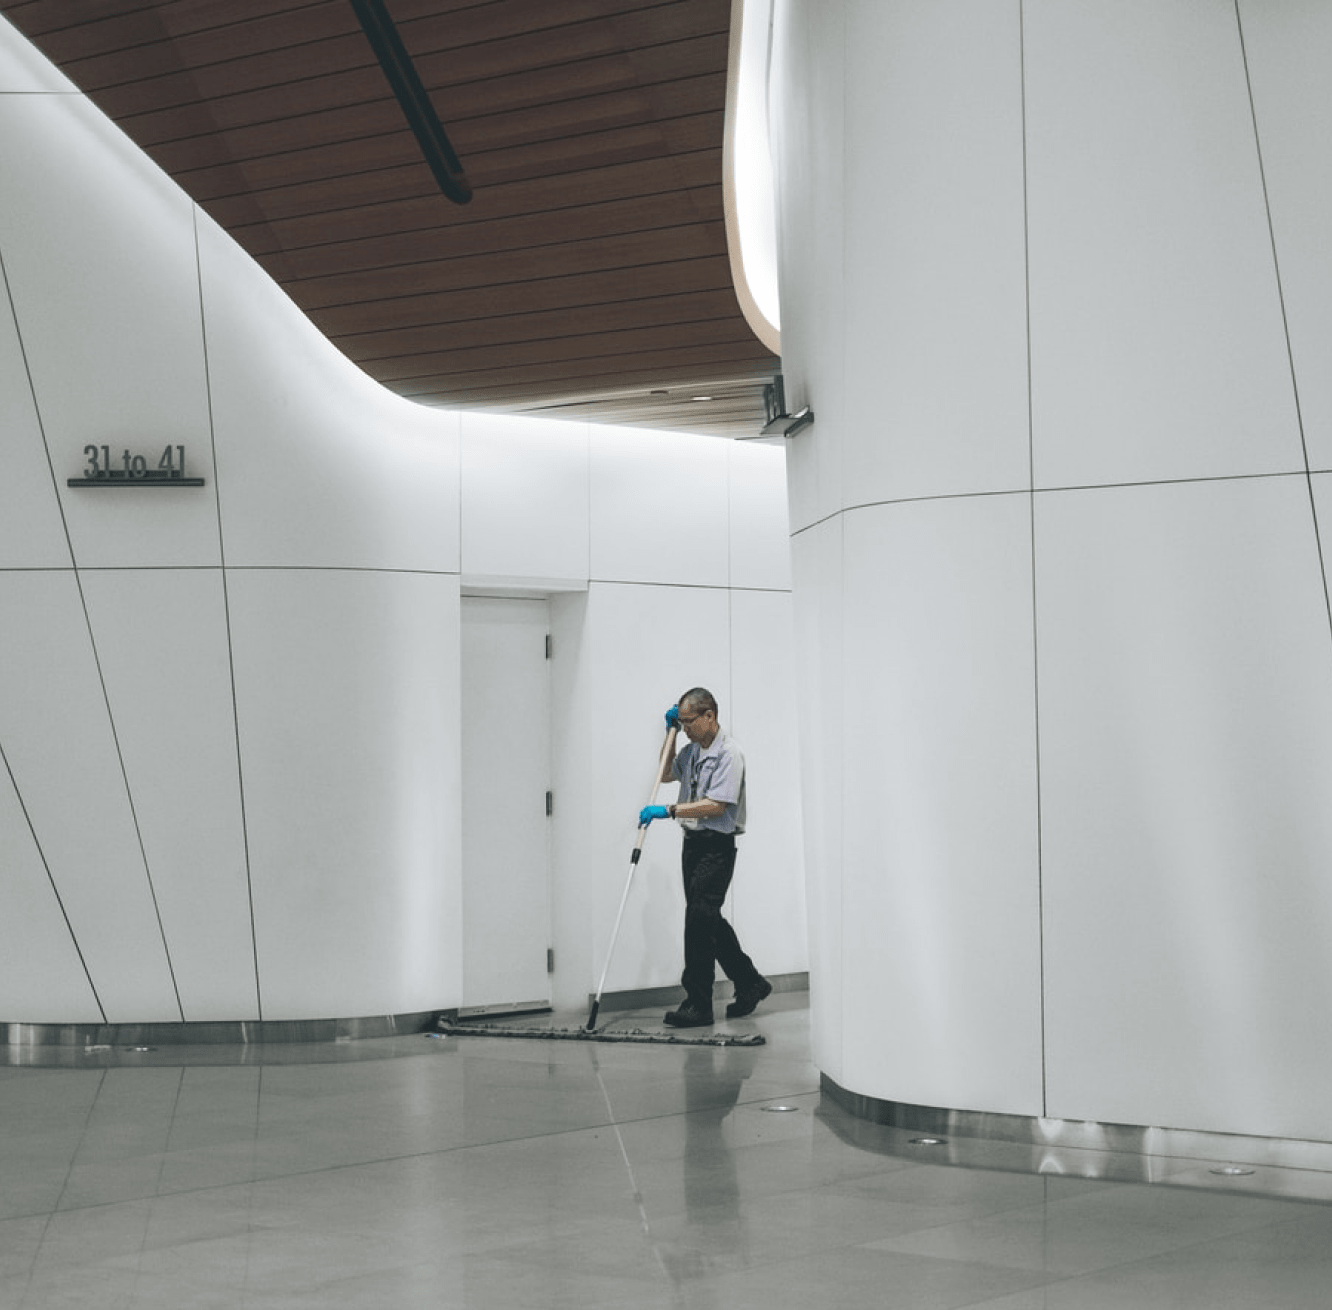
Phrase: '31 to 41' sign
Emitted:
{"points": [[124, 469]]}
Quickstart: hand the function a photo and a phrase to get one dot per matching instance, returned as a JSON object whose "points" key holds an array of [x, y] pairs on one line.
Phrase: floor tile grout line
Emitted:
{"points": [[379, 1160]]}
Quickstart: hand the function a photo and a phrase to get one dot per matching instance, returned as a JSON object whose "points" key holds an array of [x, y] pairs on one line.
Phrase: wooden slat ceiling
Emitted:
{"points": [[587, 278]]}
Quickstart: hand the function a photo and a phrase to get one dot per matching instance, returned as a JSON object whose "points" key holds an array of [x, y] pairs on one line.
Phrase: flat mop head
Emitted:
{"points": [[453, 1028]]}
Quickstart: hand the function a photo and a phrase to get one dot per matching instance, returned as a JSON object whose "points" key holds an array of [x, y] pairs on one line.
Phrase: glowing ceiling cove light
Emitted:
{"points": [[751, 215]]}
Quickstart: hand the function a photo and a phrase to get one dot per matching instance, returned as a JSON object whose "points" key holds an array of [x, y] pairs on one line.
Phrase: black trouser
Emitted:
{"points": [[707, 862]]}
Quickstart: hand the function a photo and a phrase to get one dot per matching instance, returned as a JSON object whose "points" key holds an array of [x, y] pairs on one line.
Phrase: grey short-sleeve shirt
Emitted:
{"points": [[715, 774]]}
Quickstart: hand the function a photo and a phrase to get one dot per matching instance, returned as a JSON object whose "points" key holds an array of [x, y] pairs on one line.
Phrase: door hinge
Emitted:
{"points": [[550, 959], [550, 803], [548, 645]]}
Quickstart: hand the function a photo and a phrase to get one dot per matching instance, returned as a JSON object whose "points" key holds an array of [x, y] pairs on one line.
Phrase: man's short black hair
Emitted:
{"points": [[699, 699]]}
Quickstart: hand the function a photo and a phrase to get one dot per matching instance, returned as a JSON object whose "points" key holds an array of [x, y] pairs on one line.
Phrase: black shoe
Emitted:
{"points": [[748, 997], [688, 1017]]}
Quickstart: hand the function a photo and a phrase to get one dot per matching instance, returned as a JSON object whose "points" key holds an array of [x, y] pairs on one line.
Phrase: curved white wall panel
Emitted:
{"points": [[1157, 344], [525, 502], [346, 699], [107, 300], [1065, 747], [162, 648], [760, 528], [1186, 747], [809, 126], [939, 796], [1289, 52], [937, 231], [768, 900], [306, 441], [644, 486], [821, 717], [62, 752], [23, 70], [41, 975], [31, 531]]}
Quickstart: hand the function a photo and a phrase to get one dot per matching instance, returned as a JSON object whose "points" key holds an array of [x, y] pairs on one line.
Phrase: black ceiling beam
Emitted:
{"points": [[385, 40]]}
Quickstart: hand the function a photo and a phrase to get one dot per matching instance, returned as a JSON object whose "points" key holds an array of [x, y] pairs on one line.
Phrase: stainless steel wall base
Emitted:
{"points": [[238, 1032], [1268, 1166]]}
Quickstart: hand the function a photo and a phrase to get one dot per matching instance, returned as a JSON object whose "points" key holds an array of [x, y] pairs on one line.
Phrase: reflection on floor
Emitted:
{"points": [[484, 1172]]}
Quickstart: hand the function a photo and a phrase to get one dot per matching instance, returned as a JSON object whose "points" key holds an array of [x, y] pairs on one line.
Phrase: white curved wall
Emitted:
{"points": [[229, 714], [1061, 612]]}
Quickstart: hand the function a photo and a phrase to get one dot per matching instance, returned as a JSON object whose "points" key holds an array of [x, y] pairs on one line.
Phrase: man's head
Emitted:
{"points": [[698, 715]]}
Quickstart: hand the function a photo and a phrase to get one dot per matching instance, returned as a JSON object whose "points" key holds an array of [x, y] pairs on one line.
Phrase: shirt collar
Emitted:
{"points": [[714, 748]]}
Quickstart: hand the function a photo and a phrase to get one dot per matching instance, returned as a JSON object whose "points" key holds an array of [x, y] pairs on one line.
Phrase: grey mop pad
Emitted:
{"points": [[451, 1028]]}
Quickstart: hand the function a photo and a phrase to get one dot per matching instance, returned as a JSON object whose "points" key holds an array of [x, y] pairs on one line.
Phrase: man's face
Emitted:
{"points": [[698, 725]]}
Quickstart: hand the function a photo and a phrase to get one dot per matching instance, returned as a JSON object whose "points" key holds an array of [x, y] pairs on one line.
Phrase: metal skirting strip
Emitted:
{"points": [[514, 1007], [648, 997], [238, 1032], [1124, 1152]]}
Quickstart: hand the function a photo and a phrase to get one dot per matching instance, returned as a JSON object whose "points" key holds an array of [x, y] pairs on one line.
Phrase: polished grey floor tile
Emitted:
{"points": [[1285, 1266], [1116, 1225], [497, 1172]]}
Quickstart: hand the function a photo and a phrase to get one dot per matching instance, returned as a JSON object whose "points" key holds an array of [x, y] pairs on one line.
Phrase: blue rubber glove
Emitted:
{"points": [[673, 717], [650, 812]]}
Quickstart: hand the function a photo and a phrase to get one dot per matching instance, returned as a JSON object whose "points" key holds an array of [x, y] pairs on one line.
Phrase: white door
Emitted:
{"points": [[505, 779]]}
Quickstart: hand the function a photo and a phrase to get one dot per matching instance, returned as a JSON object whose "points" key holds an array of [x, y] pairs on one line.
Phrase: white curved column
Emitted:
{"points": [[1050, 283]]}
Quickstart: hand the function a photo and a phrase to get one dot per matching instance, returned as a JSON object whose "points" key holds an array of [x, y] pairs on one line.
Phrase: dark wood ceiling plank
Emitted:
{"points": [[527, 197], [651, 375], [680, 137], [317, 68], [198, 109], [568, 258], [162, 133], [324, 73], [41, 16], [265, 88], [208, 32], [449, 54], [576, 320], [319, 164], [576, 375], [523, 88], [216, 165], [96, 23], [308, 143], [160, 41], [601, 345], [392, 185], [517, 298], [700, 93], [522, 232], [646, 22]]}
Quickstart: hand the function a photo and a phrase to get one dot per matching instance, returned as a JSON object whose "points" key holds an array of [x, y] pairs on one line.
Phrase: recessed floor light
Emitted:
{"points": [[780, 1109], [929, 1141], [1232, 1171]]}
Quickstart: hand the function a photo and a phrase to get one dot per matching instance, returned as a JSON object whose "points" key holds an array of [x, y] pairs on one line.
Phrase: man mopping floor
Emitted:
{"points": [[711, 810]]}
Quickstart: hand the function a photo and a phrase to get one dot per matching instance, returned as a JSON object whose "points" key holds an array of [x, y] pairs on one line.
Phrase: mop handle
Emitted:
{"points": [[633, 863]]}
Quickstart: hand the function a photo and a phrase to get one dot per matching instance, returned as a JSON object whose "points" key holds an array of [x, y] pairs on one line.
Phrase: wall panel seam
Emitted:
{"points": [[1281, 300], [73, 568], [1035, 626], [226, 617]]}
